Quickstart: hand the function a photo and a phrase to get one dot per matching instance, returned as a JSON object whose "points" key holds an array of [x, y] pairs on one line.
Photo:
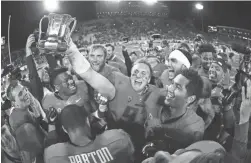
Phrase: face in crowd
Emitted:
{"points": [[216, 73], [196, 63], [177, 95], [110, 51], [84, 53], [175, 67], [97, 58], [140, 76], [21, 97], [65, 84], [133, 57], [206, 59]]}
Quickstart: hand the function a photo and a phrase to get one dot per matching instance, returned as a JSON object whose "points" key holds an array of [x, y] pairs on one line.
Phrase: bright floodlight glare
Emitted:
{"points": [[199, 6], [114, 0], [51, 5], [150, 2]]}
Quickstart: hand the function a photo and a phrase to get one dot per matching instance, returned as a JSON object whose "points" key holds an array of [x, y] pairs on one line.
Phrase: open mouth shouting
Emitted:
{"points": [[95, 66], [212, 75], [171, 73], [138, 82]]}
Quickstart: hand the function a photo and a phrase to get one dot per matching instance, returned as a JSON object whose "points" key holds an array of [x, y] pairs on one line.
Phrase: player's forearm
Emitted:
{"points": [[82, 67], [99, 83]]}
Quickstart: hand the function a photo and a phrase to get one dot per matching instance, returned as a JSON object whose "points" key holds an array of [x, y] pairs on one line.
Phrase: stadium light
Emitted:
{"points": [[199, 6], [51, 5], [150, 2]]}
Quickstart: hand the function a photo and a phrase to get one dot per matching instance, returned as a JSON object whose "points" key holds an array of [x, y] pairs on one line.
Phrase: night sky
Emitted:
{"points": [[26, 15]]}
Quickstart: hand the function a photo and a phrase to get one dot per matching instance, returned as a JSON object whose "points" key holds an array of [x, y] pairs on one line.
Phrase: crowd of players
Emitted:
{"points": [[91, 106]]}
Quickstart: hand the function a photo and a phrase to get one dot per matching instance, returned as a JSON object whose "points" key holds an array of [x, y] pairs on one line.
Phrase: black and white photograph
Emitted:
{"points": [[117, 81]]}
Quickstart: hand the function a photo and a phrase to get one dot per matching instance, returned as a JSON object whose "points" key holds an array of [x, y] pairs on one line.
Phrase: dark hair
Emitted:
{"points": [[110, 46], [133, 52], [144, 61], [73, 117], [223, 56], [195, 58], [184, 45], [83, 50], [231, 55], [164, 42], [55, 72], [206, 48], [187, 54], [195, 85]]}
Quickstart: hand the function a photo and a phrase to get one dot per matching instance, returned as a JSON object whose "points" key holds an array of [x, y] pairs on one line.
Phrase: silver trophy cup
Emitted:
{"points": [[57, 37]]}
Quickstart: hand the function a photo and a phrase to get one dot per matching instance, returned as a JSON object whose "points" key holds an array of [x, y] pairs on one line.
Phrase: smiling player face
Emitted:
{"points": [[177, 92], [140, 76]]}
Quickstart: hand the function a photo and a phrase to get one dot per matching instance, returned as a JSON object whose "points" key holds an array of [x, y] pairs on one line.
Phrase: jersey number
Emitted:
{"points": [[130, 114]]}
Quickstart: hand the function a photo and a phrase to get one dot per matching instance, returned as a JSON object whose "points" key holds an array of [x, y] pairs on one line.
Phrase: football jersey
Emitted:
{"points": [[128, 106], [80, 98], [107, 72], [128, 112], [121, 66], [112, 146], [189, 125]]}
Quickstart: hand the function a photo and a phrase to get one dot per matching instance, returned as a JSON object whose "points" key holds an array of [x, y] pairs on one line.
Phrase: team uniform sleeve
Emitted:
{"points": [[128, 62], [153, 102], [36, 84]]}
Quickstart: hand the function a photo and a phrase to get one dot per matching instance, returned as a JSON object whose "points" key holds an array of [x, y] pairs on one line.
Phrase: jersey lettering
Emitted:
{"points": [[102, 155]]}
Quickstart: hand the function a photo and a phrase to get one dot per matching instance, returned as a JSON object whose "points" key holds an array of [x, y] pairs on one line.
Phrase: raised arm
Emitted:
{"points": [[36, 84], [128, 61], [82, 67]]}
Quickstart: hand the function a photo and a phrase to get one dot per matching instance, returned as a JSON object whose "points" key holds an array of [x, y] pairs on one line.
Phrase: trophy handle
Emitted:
{"points": [[40, 26], [74, 25]]}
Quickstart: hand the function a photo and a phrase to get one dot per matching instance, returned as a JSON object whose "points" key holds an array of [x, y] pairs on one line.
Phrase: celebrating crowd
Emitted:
{"points": [[169, 104]]}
